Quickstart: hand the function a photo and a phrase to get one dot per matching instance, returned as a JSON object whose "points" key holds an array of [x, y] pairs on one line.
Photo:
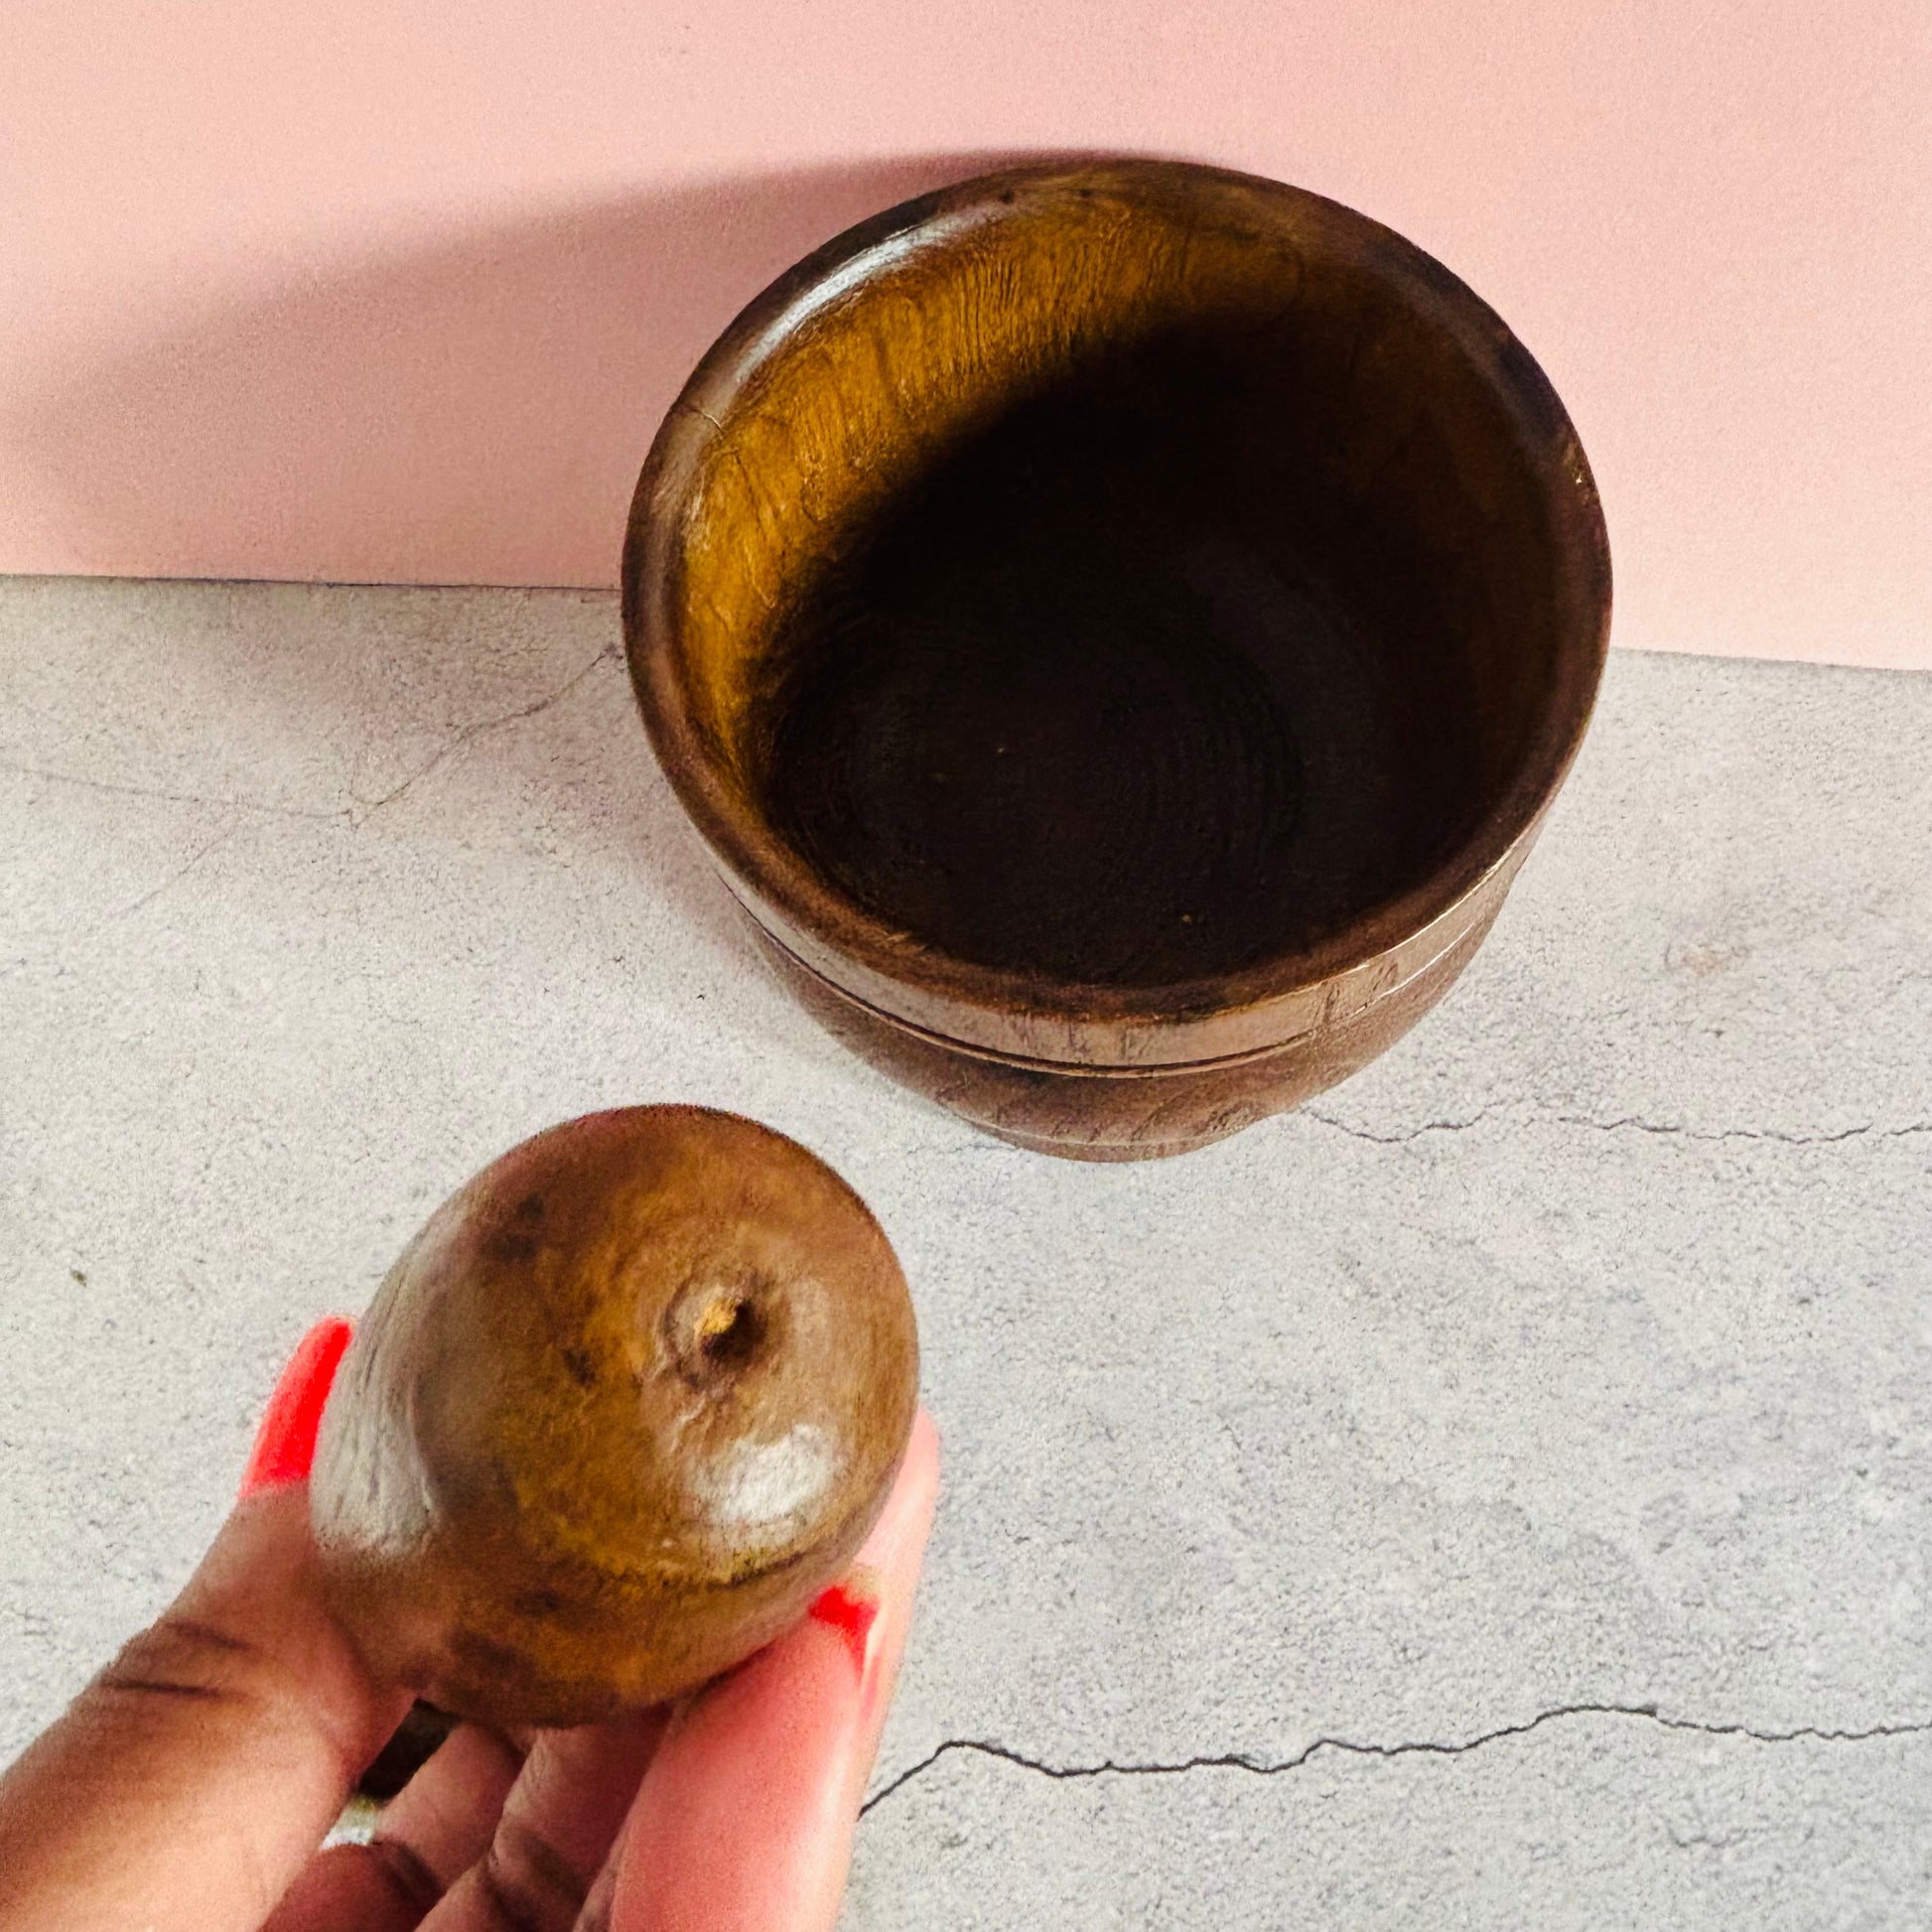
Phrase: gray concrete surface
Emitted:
{"points": [[1500, 1495]]}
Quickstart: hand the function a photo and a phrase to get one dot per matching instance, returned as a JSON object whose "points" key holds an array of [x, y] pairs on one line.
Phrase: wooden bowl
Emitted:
{"points": [[1119, 627]]}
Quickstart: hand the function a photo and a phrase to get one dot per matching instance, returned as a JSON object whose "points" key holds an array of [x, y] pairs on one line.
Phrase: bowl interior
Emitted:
{"points": [[1125, 580]]}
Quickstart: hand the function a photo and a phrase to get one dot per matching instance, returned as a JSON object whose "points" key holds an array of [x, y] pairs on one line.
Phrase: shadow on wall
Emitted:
{"points": [[472, 412]]}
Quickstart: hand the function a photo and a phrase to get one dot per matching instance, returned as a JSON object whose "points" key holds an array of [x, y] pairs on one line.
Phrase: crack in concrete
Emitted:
{"points": [[173, 880], [146, 899], [359, 810], [1677, 1129], [1344, 1746], [310, 813], [1407, 1134], [1626, 1123], [369, 808], [348, 815]]}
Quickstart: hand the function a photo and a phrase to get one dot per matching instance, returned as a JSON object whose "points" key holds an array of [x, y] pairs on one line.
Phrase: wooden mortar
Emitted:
{"points": [[1119, 629]]}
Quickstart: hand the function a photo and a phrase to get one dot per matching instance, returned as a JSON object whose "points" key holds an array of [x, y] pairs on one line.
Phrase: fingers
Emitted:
{"points": [[556, 1832], [745, 1820], [188, 1786], [418, 1737], [432, 1831], [191, 1779], [484, 1837], [190, 1782]]}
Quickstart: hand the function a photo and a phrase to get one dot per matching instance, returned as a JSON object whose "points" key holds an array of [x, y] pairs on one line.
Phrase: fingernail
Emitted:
{"points": [[851, 1607], [285, 1444]]}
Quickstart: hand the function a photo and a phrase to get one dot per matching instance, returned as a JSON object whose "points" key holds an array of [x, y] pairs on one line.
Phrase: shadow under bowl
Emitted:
{"points": [[1119, 627]]}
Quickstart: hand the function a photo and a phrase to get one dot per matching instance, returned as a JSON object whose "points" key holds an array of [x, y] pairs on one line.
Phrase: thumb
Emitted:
{"points": [[188, 1783], [746, 1818]]}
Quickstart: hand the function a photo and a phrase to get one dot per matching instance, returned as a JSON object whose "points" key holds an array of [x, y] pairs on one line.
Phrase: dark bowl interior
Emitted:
{"points": [[1143, 586]]}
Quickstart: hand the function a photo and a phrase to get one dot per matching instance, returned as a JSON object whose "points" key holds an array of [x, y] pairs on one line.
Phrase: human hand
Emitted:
{"points": [[188, 1787]]}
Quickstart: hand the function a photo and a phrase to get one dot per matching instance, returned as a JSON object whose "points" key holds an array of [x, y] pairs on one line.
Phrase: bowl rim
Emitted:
{"points": [[1032, 1017]]}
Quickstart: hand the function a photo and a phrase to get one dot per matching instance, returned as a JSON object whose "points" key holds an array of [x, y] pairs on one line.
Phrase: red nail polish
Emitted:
{"points": [[850, 1615], [285, 1444]]}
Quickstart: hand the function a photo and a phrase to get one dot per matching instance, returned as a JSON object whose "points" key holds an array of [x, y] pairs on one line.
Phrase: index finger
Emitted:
{"points": [[746, 1818]]}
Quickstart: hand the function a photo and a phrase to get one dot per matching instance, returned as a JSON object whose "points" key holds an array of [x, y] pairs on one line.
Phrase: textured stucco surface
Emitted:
{"points": [[1572, 1363]]}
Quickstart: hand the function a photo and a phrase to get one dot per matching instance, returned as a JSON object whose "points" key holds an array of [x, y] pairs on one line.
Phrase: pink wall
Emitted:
{"points": [[367, 289]]}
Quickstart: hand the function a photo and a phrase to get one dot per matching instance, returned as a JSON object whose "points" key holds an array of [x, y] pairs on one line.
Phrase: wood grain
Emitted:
{"points": [[632, 1397]]}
